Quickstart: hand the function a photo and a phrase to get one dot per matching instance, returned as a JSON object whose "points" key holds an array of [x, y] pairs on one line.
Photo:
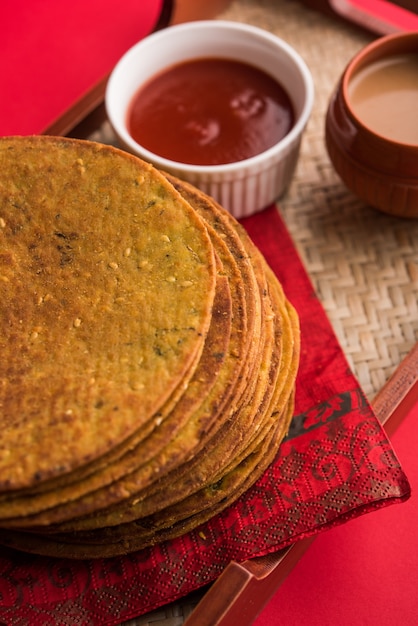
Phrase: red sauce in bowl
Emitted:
{"points": [[210, 111]]}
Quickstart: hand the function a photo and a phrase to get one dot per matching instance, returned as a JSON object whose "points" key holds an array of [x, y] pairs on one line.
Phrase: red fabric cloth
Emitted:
{"points": [[336, 464], [369, 568], [52, 52]]}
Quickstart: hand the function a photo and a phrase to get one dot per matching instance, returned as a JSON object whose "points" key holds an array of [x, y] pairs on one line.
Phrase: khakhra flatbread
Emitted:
{"points": [[107, 285], [150, 354]]}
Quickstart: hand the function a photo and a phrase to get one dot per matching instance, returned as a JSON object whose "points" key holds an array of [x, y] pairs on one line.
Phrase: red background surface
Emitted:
{"points": [[393, 14], [52, 52], [363, 572]]}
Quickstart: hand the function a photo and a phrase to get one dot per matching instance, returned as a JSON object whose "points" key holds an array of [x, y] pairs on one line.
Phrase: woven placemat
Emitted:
{"points": [[362, 263]]}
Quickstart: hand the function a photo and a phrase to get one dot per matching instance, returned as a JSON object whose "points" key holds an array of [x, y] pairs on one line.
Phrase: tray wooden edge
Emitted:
{"points": [[248, 586]]}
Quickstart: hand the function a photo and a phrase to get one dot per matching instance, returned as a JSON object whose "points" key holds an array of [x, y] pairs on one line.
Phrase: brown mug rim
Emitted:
{"points": [[395, 43]]}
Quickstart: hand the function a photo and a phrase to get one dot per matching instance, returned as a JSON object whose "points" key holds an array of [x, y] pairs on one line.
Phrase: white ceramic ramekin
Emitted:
{"points": [[247, 186]]}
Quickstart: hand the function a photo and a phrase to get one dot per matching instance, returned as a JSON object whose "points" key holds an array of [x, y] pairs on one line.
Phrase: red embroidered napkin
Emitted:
{"points": [[336, 464], [375, 556]]}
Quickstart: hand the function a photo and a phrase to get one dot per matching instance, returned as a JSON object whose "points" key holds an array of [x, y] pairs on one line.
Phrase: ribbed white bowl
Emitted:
{"points": [[246, 186]]}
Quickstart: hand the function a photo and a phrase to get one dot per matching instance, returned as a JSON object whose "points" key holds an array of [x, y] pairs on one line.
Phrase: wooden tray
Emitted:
{"points": [[244, 588]]}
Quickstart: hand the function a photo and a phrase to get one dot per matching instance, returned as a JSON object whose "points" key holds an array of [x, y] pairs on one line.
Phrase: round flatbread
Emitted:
{"points": [[107, 285], [214, 369]]}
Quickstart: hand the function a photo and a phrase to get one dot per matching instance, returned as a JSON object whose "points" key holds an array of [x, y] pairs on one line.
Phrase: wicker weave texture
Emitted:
{"points": [[363, 264]]}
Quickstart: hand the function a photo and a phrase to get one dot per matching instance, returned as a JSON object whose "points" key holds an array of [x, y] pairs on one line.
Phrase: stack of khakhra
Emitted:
{"points": [[148, 353]]}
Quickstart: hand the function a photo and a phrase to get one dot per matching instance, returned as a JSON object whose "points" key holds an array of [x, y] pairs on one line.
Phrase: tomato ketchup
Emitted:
{"points": [[210, 111]]}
